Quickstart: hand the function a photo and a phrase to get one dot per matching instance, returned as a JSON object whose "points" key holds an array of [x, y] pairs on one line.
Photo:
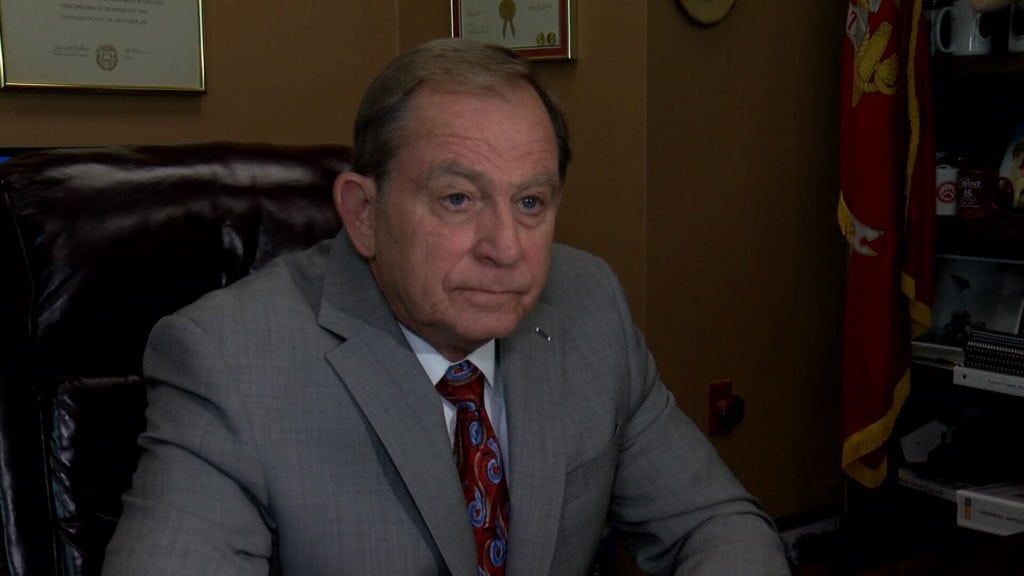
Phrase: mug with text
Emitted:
{"points": [[981, 192], [969, 33]]}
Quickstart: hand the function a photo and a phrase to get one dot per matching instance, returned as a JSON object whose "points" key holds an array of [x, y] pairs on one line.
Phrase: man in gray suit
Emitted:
{"points": [[293, 423]]}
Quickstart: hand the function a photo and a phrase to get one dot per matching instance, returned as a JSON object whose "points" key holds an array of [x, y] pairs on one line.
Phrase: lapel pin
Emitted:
{"points": [[542, 333]]}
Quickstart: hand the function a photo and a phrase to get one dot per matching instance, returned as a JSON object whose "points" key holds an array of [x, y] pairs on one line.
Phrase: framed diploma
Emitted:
{"points": [[102, 45], [537, 29]]}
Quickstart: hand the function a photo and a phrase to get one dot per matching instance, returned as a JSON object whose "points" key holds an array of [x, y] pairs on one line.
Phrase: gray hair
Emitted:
{"points": [[458, 64]]}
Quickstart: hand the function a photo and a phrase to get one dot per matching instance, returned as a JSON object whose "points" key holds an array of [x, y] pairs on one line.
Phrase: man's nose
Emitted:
{"points": [[499, 236]]}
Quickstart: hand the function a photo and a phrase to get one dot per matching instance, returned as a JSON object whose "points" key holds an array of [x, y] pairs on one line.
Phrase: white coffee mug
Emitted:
{"points": [[1015, 42], [945, 189], [967, 35]]}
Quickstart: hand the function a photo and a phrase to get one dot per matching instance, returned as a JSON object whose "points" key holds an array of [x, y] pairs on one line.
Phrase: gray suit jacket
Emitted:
{"points": [[291, 427]]}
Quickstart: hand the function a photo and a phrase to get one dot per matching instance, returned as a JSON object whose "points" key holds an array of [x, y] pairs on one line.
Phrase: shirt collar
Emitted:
{"points": [[435, 364]]}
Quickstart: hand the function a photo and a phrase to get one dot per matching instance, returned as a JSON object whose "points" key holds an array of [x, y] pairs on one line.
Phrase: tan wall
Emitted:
{"points": [[745, 262], [705, 174]]}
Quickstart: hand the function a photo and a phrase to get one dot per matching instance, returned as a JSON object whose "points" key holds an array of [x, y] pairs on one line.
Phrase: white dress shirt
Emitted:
{"points": [[484, 358]]}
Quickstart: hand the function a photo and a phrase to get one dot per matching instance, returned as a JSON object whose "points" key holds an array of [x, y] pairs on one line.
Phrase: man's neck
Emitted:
{"points": [[433, 360]]}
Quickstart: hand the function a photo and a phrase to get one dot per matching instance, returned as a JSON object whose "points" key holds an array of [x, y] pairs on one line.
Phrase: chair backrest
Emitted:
{"points": [[96, 244]]}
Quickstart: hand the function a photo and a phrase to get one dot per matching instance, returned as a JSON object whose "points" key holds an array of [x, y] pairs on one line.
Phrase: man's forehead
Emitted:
{"points": [[438, 111]]}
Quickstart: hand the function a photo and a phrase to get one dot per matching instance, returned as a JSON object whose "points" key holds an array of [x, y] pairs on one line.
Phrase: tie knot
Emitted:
{"points": [[462, 383]]}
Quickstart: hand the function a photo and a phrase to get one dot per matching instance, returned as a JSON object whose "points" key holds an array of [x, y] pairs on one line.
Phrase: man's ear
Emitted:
{"points": [[355, 200]]}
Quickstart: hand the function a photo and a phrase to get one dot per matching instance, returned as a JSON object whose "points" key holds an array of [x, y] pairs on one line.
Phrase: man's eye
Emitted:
{"points": [[530, 203], [456, 199]]}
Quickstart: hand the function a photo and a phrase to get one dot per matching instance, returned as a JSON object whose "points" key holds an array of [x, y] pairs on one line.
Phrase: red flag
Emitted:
{"points": [[887, 213]]}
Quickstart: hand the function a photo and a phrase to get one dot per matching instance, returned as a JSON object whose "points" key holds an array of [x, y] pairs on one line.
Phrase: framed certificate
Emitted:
{"points": [[537, 29], [102, 45]]}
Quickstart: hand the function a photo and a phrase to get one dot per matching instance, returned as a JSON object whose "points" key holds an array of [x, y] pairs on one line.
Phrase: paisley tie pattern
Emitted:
{"points": [[479, 461]]}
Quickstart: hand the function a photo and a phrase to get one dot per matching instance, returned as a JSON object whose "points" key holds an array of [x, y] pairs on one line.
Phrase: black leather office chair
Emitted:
{"points": [[95, 245]]}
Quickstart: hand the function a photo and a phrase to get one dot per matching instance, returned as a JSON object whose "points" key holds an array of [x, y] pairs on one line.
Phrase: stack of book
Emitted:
{"points": [[996, 509], [995, 352]]}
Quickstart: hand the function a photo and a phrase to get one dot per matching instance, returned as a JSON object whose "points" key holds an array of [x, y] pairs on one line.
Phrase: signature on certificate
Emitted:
{"points": [[70, 49], [132, 52]]}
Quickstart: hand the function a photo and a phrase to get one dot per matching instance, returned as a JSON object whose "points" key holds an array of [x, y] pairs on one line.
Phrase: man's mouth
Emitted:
{"points": [[488, 296]]}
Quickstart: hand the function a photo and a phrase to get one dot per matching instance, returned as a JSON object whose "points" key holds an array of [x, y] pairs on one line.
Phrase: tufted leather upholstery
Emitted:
{"points": [[95, 245]]}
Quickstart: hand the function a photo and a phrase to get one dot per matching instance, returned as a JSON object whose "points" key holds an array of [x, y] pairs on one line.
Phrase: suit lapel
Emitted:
{"points": [[386, 380], [532, 375]]}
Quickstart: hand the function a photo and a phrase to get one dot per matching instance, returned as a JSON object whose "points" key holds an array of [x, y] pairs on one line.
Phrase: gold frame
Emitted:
{"points": [[550, 26], [102, 45]]}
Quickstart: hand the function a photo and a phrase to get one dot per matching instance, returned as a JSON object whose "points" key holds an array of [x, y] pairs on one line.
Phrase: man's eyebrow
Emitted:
{"points": [[545, 179], [446, 169]]}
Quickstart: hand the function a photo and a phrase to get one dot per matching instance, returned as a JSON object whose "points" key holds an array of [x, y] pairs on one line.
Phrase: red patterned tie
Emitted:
{"points": [[479, 460]]}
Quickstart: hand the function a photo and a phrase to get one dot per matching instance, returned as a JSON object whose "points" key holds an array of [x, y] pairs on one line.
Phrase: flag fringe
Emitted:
{"points": [[871, 438]]}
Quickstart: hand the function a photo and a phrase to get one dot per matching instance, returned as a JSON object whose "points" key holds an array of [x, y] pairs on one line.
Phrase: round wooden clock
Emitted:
{"points": [[707, 11]]}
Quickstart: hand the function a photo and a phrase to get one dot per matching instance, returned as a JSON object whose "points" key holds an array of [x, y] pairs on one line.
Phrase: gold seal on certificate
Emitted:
{"points": [[106, 57], [507, 12]]}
